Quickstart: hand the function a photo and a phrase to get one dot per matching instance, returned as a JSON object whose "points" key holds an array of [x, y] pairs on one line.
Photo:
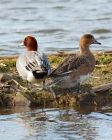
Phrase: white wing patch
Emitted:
{"points": [[84, 77]]}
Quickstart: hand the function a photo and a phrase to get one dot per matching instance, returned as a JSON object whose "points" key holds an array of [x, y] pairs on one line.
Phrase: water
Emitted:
{"points": [[57, 25], [55, 124]]}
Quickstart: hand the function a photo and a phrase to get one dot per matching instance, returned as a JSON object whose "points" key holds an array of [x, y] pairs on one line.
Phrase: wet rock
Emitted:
{"points": [[20, 100], [86, 99]]}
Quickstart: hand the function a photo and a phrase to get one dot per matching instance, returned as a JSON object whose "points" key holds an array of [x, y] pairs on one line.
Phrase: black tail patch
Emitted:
{"points": [[39, 75]]}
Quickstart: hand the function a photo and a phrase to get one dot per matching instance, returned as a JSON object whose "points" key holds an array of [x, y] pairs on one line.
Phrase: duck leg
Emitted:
{"points": [[49, 87], [43, 84]]}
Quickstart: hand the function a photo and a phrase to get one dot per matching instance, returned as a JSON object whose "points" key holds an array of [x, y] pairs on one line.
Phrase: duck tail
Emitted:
{"points": [[39, 74]]}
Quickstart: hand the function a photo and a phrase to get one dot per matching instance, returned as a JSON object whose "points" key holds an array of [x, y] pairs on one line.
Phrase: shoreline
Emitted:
{"points": [[9, 95], [61, 53]]}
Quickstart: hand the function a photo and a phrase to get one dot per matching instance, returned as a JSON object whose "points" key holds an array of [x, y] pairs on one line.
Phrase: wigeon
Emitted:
{"points": [[33, 66], [76, 68]]}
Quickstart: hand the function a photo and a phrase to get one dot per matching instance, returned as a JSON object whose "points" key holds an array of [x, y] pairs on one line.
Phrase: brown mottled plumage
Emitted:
{"points": [[74, 67]]}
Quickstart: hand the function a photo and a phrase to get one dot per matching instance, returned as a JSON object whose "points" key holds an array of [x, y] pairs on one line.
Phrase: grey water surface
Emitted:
{"points": [[55, 124], [57, 24]]}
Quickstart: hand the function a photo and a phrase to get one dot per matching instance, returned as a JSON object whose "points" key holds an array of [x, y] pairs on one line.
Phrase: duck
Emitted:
{"points": [[32, 65], [76, 68]]}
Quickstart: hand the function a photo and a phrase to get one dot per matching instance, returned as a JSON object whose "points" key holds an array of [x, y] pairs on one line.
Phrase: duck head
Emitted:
{"points": [[30, 43], [86, 40]]}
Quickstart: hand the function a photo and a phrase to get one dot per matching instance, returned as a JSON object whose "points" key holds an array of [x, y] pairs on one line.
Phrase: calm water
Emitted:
{"points": [[57, 24], [55, 124]]}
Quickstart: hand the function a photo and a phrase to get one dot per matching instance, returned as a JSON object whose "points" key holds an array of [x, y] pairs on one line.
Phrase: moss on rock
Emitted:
{"points": [[70, 97]]}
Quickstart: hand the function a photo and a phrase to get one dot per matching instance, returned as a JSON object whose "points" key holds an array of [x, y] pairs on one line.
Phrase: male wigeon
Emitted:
{"points": [[76, 68], [33, 66]]}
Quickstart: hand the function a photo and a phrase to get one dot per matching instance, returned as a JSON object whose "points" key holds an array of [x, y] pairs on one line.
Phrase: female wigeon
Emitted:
{"points": [[33, 66], [76, 68]]}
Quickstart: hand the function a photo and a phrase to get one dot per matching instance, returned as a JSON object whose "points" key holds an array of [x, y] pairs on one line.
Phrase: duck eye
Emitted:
{"points": [[25, 41], [89, 37]]}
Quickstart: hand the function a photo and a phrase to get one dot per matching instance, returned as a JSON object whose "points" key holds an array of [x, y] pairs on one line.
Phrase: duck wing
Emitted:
{"points": [[39, 66], [70, 64]]}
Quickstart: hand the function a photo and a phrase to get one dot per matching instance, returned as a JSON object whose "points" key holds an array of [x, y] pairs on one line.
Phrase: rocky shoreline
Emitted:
{"points": [[95, 92]]}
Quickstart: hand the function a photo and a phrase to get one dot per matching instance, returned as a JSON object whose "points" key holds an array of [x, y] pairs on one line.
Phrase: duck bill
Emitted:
{"points": [[21, 44], [96, 42]]}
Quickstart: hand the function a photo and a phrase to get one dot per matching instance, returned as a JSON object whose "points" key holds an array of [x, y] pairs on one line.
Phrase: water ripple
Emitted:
{"points": [[55, 23], [101, 31]]}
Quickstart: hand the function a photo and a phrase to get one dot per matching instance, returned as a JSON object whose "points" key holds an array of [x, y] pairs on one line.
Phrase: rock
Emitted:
{"points": [[85, 99], [4, 77], [20, 100]]}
